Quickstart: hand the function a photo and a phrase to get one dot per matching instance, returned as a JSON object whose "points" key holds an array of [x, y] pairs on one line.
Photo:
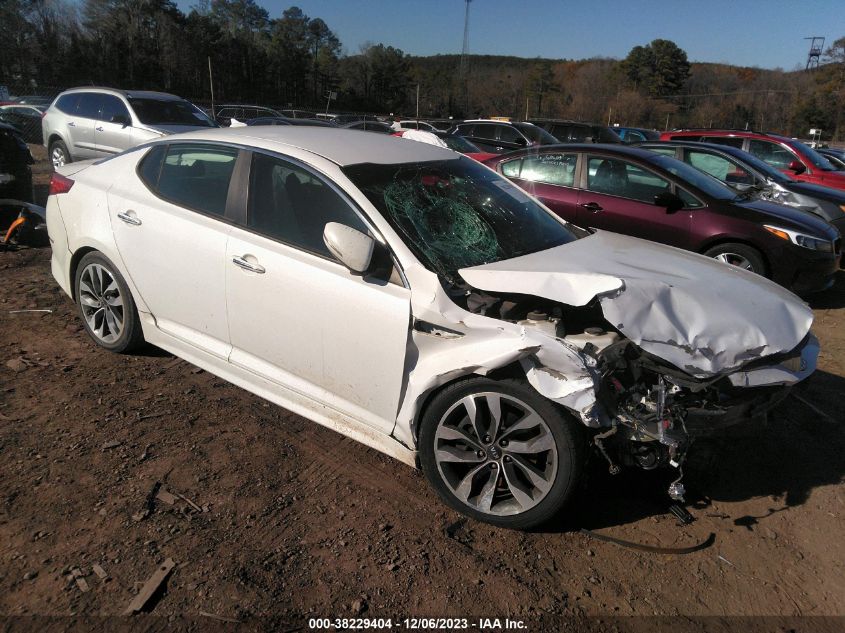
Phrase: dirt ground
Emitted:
{"points": [[283, 520]]}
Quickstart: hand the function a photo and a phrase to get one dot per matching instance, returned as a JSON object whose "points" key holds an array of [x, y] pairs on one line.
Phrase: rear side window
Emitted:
{"points": [[150, 166], [551, 169], [67, 103], [89, 105], [291, 205], [197, 176], [485, 131], [730, 141]]}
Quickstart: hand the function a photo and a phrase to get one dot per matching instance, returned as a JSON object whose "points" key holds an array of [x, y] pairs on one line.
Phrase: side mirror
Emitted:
{"points": [[797, 166], [670, 201], [120, 118], [352, 248]]}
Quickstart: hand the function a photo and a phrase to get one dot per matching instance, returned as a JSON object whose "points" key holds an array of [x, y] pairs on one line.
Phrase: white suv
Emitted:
{"points": [[95, 122]]}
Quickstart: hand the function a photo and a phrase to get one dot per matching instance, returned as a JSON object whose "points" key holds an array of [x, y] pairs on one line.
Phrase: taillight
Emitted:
{"points": [[60, 184]]}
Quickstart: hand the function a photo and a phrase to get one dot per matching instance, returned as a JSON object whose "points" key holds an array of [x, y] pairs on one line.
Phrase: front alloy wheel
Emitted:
{"points": [[500, 452]]}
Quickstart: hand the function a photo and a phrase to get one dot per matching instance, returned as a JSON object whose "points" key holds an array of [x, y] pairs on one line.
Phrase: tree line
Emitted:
{"points": [[294, 60]]}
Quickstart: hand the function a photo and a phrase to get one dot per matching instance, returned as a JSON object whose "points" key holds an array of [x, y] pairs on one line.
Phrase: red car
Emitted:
{"points": [[791, 156]]}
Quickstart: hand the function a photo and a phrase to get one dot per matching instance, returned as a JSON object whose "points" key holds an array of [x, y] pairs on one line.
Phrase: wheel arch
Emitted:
{"points": [[725, 239]]}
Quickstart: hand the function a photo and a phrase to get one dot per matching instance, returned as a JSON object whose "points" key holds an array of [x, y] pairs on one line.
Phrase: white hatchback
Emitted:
{"points": [[416, 301]]}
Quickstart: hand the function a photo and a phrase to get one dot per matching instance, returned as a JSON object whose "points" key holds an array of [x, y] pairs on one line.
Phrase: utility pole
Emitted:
{"points": [[211, 85], [463, 71]]}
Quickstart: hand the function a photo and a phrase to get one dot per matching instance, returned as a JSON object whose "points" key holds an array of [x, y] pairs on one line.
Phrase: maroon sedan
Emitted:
{"points": [[640, 193]]}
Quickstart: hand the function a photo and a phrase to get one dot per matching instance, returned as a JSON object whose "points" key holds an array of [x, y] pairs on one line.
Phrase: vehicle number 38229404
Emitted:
{"points": [[414, 624]]}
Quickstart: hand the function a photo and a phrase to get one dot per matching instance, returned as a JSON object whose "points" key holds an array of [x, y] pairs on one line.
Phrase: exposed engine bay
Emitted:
{"points": [[651, 411]]}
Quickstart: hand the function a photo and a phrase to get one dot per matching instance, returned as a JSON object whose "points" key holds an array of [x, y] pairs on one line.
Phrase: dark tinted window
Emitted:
{"points": [[112, 106], [509, 135], [619, 178], [731, 141], [289, 204], [89, 105], [67, 103], [485, 130], [197, 176], [535, 134], [169, 112], [150, 166]]}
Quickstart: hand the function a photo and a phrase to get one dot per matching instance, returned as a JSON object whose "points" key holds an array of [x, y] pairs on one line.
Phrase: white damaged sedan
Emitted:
{"points": [[418, 302]]}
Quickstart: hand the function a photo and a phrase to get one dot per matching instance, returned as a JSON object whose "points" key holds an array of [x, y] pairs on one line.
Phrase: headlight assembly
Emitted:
{"points": [[799, 239]]}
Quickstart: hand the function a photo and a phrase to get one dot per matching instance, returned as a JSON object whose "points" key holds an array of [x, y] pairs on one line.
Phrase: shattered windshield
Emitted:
{"points": [[456, 214]]}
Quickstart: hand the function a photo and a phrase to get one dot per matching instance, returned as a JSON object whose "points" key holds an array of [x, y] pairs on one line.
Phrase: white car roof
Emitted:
{"points": [[341, 146]]}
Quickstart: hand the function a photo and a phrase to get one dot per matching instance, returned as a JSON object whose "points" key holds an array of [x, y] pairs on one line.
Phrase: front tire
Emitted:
{"points": [[739, 255], [106, 305], [500, 452]]}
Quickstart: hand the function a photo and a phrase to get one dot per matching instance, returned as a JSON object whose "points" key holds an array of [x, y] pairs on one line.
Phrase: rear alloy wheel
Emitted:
{"points": [[58, 154], [739, 255], [500, 452], [106, 306]]}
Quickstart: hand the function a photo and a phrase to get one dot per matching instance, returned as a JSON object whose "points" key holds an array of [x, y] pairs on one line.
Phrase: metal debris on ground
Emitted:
{"points": [[150, 587], [46, 310], [221, 618], [653, 549], [79, 577], [681, 513]]}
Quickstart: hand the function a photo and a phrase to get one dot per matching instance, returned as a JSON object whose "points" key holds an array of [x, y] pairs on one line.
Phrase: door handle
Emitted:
{"points": [[71, 124], [99, 128], [129, 219], [595, 207], [243, 263]]}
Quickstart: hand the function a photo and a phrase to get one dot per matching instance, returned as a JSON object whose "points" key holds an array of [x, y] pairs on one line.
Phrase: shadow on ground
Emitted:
{"points": [[800, 448]]}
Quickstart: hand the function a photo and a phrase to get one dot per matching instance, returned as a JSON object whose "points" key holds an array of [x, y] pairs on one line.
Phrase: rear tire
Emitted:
{"points": [[59, 155], [106, 306], [739, 255], [500, 452]]}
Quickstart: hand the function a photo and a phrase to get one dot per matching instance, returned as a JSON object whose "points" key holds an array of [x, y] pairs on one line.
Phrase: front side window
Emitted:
{"points": [[551, 169], [111, 107], [618, 178], [771, 153], [512, 168], [291, 205], [719, 167], [455, 214], [197, 176], [485, 131], [509, 135]]}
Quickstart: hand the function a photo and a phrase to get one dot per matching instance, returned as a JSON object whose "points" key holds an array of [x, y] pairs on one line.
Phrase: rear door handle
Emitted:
{"points": [[595, 207], [246, 265], [71, 124], [99, 128], [129, 217]]}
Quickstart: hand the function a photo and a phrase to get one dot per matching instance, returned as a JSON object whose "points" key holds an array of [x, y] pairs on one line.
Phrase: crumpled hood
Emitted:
{"points": [[700, 315]]}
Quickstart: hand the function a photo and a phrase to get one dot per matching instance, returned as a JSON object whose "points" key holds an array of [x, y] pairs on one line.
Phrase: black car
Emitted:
{"points": [[281, 120], [369, 126], [15, 161], [495, 136], [746, 172], [566, 131], [27, 120]]}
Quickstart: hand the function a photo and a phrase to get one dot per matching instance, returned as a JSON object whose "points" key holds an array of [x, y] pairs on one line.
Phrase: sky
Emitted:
{"points": [[763, 33]]}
